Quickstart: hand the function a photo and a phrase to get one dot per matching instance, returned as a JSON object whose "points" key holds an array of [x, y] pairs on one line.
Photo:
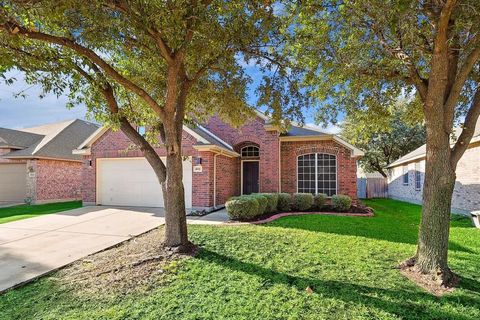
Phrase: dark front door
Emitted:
{"points": [[250, 177]]}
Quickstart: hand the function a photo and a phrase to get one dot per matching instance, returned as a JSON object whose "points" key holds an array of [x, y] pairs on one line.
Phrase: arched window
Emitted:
{"points": [[250, 151], [317, 173]]}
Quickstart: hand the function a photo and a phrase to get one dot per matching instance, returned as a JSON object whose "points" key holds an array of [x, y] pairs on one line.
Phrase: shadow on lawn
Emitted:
{"points": [[383, 226], [398, 302]]}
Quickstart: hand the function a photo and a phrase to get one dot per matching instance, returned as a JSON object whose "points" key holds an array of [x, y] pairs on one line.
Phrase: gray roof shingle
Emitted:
{"points": [[294, 131], [57, 140], [17, 139], [210, 137]]}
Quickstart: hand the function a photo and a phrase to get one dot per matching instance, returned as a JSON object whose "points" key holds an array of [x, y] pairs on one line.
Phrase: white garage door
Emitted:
{"points": [[132, 182], [13, 182]]}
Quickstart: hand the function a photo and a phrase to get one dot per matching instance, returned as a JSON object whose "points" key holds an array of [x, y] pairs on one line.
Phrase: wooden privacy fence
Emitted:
{"points": [[372, 188]]}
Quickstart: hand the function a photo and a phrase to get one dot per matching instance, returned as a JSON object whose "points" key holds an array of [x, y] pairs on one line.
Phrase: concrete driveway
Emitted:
{"points": [[32, 247]]}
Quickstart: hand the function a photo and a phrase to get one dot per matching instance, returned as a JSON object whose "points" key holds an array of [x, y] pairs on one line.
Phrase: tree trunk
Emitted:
{"points": [[170, 178], [176, 234], [174, 194], [438, 187]]}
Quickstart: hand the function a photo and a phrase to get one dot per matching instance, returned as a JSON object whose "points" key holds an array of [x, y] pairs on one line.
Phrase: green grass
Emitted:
{"points": [[24, 211], [261, 272]]}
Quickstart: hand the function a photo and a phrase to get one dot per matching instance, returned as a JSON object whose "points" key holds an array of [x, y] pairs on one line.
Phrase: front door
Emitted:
{"points": [[250, 177]]}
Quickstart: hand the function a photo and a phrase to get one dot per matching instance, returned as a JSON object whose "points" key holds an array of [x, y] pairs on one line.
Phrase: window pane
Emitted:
{"points": [[250, 151], [306, 173], [326, 174], [405, 175]]}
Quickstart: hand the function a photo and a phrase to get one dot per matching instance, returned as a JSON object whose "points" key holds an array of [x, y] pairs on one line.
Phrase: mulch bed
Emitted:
{"points": [[428, 282], [133, 265], [355, 211]]}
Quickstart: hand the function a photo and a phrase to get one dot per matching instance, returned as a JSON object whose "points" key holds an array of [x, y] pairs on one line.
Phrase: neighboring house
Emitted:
{"points": [[37, 163], [221, 162], [406, 177]]}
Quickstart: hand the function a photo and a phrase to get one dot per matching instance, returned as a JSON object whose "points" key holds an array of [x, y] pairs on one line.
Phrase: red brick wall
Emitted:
{"points": [[58, 180], [202, 183], [252, 131], [227, 178], [346, 165]]}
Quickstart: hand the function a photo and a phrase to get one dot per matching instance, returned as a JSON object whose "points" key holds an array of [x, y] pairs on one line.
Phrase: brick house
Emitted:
{"points": [[220, 162], [37, 163], [406, 176]]}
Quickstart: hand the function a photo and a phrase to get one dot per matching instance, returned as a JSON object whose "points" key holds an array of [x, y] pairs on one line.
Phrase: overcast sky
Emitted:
{"points": [[16, 113]]}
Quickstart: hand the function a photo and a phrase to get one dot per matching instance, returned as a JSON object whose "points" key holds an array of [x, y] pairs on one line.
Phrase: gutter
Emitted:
{"points": [[215, 179], [216, 149]]}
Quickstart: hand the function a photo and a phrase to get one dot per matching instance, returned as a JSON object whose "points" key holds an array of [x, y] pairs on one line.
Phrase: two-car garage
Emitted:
{"points": [[132, 182]]}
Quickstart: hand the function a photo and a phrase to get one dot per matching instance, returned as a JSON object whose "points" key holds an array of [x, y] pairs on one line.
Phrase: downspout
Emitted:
{"points": [[215, 180], [279, 166]]}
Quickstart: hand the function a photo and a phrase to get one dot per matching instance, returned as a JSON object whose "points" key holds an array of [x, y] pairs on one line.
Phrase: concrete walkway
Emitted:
{"points": [[32, 247], [4, 204]]}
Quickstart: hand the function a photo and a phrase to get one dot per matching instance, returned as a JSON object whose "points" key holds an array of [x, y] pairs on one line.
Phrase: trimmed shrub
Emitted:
{"points": [[272, 199], [302, 201], [262, 202], [284, 202], [341, 202], [242, 208], [320, 200]]}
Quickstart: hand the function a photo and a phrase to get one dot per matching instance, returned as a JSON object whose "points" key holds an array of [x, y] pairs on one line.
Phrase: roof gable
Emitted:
{"points": [[57, 140], [205, 139]]}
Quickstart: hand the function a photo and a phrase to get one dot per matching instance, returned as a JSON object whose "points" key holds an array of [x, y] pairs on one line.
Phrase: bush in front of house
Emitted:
{"points": [[262, 202], [302, 201], [242, 208], [284, 202], [320, 200], [341, 202], [272, 199]]}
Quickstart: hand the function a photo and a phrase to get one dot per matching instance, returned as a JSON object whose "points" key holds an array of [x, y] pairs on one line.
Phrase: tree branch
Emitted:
{"points": [[160, 43], [147, 150], [468, 130], [463, 75], [14, 29]]}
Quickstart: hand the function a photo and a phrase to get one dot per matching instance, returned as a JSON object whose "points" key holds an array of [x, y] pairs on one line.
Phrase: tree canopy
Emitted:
{"points": [[361, 56], [382, 144], [62, 45]]}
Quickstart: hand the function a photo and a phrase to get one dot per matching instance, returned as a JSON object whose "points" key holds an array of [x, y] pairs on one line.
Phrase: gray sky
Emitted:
{"points": [[30, 111]]}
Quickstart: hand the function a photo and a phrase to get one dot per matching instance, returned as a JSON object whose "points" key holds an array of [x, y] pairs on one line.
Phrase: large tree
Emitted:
{"points": [[363, 55], [155, 63], [383, 141]]}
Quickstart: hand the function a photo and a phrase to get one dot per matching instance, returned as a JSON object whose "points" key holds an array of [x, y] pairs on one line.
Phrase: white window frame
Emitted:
{"points": [[405, 175], [316, 170], [250, 146]]}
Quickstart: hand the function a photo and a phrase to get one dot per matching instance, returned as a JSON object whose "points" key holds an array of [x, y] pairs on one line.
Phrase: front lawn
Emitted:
{"points": [[24, 211], [262, 272]]}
